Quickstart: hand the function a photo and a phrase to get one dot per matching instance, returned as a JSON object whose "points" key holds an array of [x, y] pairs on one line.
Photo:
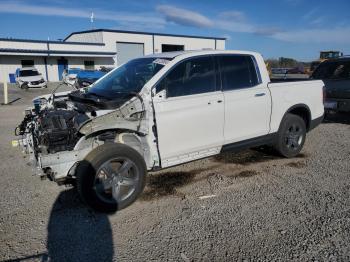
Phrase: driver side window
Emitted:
{"points": [[193, 76]]}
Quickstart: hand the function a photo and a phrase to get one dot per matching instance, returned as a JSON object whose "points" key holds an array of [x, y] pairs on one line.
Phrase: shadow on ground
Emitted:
{"points": [[247, 157], [166, 183], [76, 233], [340, 118]]}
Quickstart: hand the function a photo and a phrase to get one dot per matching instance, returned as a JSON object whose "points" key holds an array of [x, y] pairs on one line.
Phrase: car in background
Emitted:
{"points": [[335, 74], [29, 77], [288, 74], [69, 75], [87, 77]]}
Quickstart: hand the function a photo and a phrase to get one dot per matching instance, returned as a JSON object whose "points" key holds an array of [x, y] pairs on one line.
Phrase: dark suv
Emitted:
{"points": [[335, 73]]}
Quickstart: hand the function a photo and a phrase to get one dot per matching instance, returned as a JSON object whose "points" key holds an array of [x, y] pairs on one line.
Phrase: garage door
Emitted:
{"points": [[128, 51]]}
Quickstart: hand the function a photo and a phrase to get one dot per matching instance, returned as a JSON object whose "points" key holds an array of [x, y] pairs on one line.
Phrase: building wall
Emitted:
{"points": [[77, 47], [95, 37], [187, 42], [77, 62], [190, 43], [110, 39], [23, 45], [9, 62], [220, 44]]}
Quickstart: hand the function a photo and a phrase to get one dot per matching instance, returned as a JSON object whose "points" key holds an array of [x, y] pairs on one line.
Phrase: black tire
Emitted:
{"points": [[291, 136], [24, 87], [91, 177]]}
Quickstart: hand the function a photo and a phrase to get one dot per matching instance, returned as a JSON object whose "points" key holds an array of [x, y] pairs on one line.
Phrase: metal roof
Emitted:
{"points": [[49, 52], [199, 52], [49, 41], [142, 33], [169, 54]]}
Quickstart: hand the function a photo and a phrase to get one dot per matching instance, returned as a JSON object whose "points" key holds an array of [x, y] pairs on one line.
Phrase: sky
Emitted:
{"points": [[290, 28]]}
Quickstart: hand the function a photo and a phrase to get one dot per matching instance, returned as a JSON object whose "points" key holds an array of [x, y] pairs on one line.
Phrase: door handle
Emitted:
{"points": [[219, 101], [260, 94]]}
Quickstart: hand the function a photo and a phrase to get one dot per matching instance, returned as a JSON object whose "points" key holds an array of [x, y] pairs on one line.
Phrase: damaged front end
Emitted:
{"points": [[61, 130]]}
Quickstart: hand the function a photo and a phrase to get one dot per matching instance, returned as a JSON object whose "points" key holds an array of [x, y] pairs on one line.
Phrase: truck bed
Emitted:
{"points": [[287, 94]]}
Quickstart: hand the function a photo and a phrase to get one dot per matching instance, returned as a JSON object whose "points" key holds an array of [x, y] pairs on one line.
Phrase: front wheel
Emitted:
{"points": [[24, 87], [111, 177], [291, 136]]}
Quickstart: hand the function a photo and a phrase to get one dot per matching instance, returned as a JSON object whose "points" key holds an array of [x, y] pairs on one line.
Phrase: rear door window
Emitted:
{"points": [[193, 76], [237, 71]]}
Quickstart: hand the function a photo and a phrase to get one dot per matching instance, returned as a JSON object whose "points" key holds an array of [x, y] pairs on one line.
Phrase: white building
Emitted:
{"points": [[92, 49]]}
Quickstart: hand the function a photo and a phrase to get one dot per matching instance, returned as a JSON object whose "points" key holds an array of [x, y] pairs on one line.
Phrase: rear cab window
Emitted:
{"points": [[195, 75], [238, 71], [333, 70]]}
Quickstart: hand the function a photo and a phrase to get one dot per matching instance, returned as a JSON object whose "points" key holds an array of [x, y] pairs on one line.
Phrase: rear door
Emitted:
{"points": [[247, 99], [189, 111]]}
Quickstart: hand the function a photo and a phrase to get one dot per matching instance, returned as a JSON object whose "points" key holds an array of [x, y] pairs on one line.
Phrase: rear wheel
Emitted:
{"points": [[111, 177], [291, 136]]}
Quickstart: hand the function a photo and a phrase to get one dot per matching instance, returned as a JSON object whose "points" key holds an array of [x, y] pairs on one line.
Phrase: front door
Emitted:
{"points": [[190, 116], [62, 64]]}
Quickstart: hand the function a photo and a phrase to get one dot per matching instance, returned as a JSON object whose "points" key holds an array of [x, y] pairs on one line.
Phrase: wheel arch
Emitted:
{"points": [[127, 137], [301, 110]]}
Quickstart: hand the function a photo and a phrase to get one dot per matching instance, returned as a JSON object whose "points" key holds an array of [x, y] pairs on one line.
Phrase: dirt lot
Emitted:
{"points": [[262, 207]]}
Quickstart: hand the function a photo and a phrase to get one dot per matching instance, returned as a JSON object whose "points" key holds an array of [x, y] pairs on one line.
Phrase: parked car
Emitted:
{"points": [[335, 74], [29, 77], [69, 76], [160, 111], [87, 77]]}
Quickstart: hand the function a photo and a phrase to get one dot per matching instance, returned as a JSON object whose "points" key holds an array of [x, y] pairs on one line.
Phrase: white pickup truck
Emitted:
{"points": [[160, 111]]}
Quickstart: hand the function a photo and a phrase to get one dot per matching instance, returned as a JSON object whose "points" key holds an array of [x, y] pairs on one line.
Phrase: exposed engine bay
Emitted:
{"points": [[54, 130], [62, 129]]}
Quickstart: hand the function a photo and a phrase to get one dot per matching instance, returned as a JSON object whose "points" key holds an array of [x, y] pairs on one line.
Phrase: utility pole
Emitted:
{"points": [[6, 99]]}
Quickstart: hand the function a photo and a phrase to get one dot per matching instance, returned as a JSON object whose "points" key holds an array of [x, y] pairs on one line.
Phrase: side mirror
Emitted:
{"points": [[161, 94]]}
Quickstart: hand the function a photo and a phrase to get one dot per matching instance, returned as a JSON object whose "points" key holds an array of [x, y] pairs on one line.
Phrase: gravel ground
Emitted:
{"points": [[262, 207]]}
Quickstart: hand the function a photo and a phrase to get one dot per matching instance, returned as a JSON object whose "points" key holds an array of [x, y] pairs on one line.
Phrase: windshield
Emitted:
{"points": [[129, 78], [28, 73]]}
